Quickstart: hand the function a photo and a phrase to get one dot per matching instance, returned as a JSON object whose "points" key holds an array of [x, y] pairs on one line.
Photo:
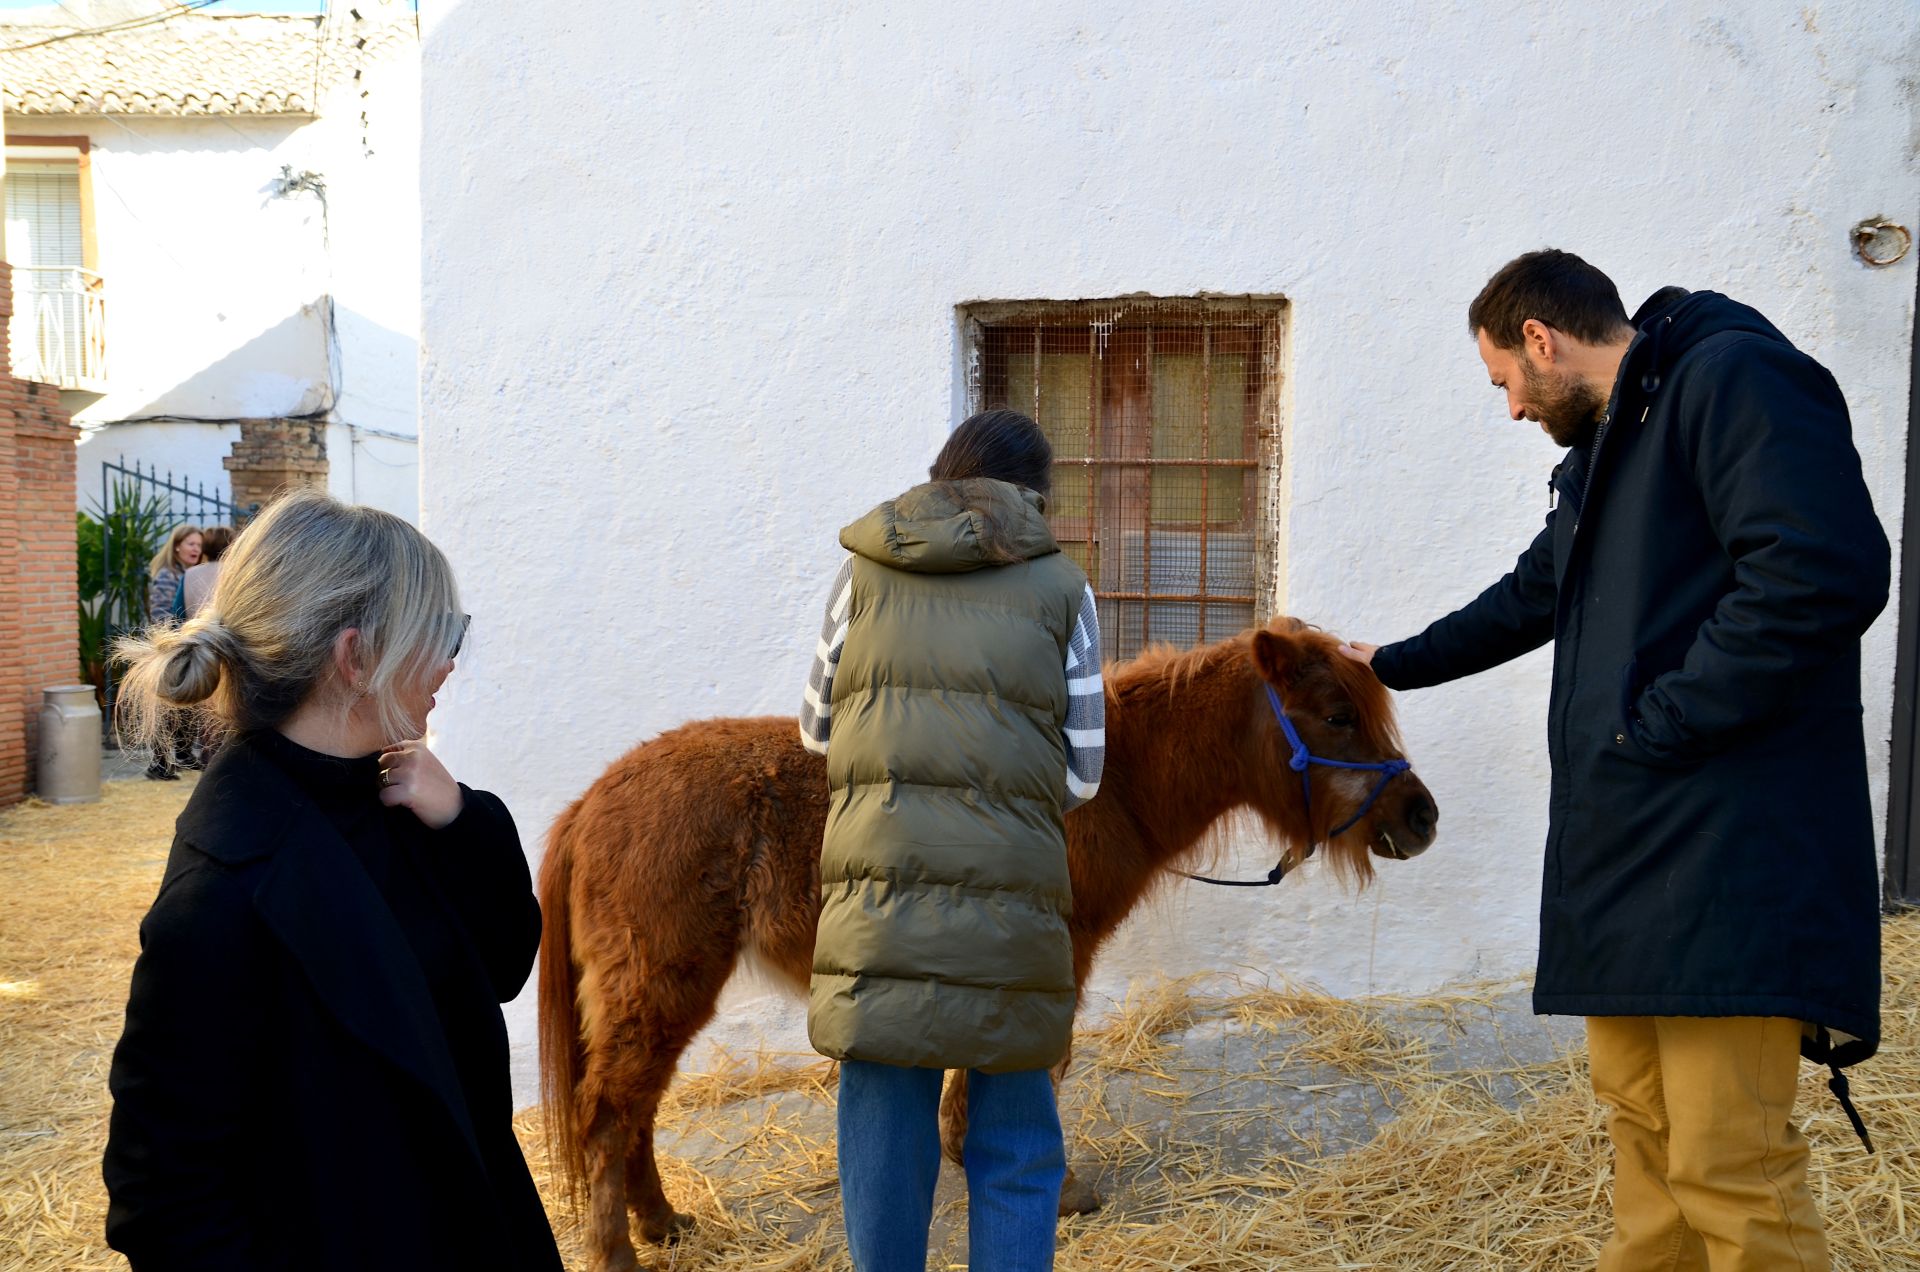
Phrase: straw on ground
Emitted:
{"points": [[1503, 1166]]}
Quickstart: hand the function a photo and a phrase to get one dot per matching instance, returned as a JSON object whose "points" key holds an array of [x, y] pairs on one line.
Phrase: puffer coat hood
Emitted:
{"points": [[953, 528]]}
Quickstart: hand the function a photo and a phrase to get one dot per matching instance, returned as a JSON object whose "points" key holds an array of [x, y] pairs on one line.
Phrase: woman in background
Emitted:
{"points": [[172, 745], [196, 586], [180, 553]]}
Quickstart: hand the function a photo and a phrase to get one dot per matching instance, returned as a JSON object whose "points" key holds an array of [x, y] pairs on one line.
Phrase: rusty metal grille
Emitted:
{"points": [[1163, 415]]}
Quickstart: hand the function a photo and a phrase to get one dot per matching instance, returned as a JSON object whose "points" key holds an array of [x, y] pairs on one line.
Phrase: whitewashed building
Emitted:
{"points": [[702, 283], [213, 221]]}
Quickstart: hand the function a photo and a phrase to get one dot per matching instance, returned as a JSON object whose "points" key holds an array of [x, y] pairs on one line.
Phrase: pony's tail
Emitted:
{"points": [[562, 1051]]}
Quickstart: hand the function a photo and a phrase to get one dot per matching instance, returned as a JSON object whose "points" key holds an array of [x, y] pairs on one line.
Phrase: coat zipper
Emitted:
{"points": [[1600, 434], [1593, 466], [1586, 498]]}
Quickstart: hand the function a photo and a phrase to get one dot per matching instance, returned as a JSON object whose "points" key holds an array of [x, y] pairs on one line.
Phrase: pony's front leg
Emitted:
{"points": [[1077, 1196]]}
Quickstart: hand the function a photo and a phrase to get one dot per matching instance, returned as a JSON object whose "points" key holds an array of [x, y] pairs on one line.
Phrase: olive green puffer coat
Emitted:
{"points": [[943, 936]]}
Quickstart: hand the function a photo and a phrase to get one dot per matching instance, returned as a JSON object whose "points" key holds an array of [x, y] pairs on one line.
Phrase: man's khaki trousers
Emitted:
{"points": [[1710, 1173]]}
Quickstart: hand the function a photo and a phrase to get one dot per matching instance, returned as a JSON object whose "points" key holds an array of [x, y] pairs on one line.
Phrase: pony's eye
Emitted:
{"points": [[1341, 720]]}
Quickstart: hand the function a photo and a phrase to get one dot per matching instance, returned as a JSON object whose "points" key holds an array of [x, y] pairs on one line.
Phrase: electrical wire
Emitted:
{"points": [[128, 24], [320, 51]]}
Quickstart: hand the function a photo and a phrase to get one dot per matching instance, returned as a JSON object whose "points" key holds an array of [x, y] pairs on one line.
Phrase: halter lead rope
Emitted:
{"points": [[1301, 761]]}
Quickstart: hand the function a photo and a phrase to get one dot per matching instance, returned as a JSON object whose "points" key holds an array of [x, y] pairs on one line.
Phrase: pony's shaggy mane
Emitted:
{"points": [[1163, 666], [1167, 667]]}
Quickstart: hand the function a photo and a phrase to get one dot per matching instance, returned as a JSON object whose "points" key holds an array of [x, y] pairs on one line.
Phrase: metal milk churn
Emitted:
{"points": [[69, 771]]}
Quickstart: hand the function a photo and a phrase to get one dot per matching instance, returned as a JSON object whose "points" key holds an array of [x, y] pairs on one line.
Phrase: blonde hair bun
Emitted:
{"points": [[194, 660]]}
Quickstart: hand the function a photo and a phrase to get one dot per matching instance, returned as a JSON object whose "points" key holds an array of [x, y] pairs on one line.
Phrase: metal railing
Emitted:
{"points": [[59, 333]]}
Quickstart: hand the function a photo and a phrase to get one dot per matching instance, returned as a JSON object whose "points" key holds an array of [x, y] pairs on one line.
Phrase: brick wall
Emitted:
{"points": [[276, 455], [39, 640]]}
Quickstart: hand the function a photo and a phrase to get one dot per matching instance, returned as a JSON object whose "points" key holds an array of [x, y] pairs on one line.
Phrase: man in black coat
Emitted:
{"points": [[1710, 901]]}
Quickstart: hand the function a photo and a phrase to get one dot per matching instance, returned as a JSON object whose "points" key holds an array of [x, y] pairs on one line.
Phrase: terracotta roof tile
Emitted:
{"points": [[195, 64]]}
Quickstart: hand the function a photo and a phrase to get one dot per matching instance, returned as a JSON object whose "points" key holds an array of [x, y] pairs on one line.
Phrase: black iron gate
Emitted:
{"points": [[138, 510]]}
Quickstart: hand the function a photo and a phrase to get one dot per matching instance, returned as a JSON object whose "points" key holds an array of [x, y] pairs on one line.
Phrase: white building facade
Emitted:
{"points": [[212, 220], [701, 287]]}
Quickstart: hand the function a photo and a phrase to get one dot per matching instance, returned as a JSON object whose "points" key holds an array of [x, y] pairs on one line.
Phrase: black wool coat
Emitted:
{"points": [[284, 1093], [1705, 576]]}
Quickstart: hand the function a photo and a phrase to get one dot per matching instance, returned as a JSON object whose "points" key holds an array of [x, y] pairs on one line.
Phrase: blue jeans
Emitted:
{"points": [[890, 1160]]}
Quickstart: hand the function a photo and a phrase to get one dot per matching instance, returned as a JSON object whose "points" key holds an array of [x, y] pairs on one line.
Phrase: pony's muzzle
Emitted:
{"points": [[1419, 821]]}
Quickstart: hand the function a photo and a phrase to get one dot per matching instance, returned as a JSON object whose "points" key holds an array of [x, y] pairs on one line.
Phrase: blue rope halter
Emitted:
{"points": [[1300, 763]]}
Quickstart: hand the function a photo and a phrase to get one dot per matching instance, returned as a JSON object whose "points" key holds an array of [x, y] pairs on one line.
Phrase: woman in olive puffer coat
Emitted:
{"points": [[956, 695]]}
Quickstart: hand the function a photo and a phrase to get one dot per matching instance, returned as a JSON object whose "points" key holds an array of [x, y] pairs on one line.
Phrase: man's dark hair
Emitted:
{"points": [[1556, 287], [1002, 444]]}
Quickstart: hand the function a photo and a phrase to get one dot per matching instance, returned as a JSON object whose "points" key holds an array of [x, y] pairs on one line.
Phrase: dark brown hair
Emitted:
{"points": [[1001, 444], [214, 541], [1556, 287]]}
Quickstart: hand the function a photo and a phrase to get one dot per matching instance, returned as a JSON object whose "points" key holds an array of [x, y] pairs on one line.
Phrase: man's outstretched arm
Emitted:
{"points": [[1511, 618]]}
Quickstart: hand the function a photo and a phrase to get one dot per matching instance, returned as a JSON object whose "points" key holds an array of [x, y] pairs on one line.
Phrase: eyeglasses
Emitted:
{"points": [[459, 637]]}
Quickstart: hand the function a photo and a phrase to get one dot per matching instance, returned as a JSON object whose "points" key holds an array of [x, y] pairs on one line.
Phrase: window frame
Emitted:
{"points": [[1261, 458], [27, 148]]}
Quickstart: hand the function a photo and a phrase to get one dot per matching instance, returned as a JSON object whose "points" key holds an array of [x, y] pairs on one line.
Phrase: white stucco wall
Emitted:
{"points": [[367, 141], [689, 304], [217, 287]]}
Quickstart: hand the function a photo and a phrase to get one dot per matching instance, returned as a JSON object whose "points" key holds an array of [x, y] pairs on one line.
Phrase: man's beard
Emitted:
{"points": [[1568, 407]]}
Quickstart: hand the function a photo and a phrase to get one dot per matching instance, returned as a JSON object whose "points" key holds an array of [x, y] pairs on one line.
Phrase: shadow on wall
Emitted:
{"points": [[297, 367], [376, 373], [280, 373]]}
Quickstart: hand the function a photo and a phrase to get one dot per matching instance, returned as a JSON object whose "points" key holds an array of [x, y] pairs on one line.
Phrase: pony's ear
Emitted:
{"points": [[1275, 657]]}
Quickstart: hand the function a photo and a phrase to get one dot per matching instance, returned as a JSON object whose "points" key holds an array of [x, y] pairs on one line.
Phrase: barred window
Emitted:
{"points": [[1163, 416]]}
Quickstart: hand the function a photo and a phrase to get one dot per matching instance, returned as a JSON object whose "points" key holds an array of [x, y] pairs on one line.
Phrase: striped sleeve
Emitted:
{"points": [[1086, 729], [816, 710]]}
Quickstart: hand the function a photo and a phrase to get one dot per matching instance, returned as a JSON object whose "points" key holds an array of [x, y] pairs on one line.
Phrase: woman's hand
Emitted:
{"points": [[412, 777], [1359, 651]]}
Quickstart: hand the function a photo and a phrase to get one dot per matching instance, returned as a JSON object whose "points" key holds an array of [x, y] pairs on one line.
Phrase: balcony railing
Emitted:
{"points": [[59, 332]]}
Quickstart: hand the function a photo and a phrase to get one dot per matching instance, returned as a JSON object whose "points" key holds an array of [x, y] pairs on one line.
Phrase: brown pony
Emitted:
{"points": [[704, 844]]}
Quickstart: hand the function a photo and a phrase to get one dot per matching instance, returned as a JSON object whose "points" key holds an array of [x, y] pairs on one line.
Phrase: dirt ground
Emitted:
{"points": [[1229, 1125]]}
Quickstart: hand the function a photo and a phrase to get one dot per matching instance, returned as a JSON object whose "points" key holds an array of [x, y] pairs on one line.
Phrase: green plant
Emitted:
{"points": [[114, 545], [132, 528], [93, 645], [91, 561]]}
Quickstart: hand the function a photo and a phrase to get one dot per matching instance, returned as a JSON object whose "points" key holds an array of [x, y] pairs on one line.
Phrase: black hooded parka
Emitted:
{"points": [[1705, 574]]}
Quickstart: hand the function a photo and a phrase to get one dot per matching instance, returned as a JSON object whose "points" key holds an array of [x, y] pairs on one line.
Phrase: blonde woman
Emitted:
{"points": [[313, 1072], [180, 553], [166, 574]]}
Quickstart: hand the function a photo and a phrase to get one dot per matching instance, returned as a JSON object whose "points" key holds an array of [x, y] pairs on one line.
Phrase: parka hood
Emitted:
{"points": [[1674, 320], [951, 527]]}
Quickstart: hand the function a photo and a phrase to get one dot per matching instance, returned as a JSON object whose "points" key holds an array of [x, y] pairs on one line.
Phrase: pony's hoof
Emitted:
{"points": [[1078, 1197], [665, 1229], [621, 1260]]}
